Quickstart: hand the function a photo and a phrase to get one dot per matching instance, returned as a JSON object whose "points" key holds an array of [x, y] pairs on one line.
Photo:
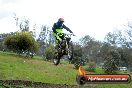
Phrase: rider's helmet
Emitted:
{"points": [[61, 20]]}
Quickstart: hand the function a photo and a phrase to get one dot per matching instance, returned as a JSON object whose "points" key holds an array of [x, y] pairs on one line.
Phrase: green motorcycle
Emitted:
{"points": [[65, 48]]}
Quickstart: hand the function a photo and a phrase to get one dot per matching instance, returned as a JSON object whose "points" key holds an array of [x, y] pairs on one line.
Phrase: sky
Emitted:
{"points": [[84, 17]]}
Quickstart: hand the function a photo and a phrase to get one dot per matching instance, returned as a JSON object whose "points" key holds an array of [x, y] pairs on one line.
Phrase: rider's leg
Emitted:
{"points": [[57, 43], [57, 40], [63, 44], [60, 43], [59, 36]]}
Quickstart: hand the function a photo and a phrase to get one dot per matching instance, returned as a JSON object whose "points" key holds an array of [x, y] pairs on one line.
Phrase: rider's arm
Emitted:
{"points": [[67, 28]]}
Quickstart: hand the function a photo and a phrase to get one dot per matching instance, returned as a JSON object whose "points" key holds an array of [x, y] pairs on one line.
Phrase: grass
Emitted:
{"points": [[14, 67]]}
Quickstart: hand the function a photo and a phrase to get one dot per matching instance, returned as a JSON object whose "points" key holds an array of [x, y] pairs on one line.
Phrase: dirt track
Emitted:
{"points": [[22, 84]]}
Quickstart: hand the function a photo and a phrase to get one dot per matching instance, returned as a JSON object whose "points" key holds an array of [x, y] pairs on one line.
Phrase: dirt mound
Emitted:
{"points": [[22, 83]]}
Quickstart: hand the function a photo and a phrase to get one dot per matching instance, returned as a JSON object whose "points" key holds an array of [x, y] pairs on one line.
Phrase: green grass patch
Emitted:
{"points": [[15, 67], [98, 70]]}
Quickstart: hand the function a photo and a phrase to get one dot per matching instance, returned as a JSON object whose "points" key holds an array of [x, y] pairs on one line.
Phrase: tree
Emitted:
{"points": [[21, 41], [2, 39], [125, 57], [105, 48], [42, 40], [46, 38], [51, 38], [24, 25], [86, 39], [91, 67], [86, 43], [111, 62], [120, 38], [77, 52], [90, 49], [34, 31], [112, 38], [121, 41], [49, 52]]}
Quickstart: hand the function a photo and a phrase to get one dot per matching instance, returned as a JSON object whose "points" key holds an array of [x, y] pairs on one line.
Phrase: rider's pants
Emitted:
{"points": [[58, 35]]}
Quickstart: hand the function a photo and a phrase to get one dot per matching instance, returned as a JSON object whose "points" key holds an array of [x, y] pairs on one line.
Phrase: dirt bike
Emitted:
{"points": [[65, 48]]}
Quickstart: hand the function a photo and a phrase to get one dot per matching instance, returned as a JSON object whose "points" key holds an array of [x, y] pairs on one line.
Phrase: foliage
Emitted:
{"points": [[121, 40], [91, 67], [111, 62], [111, 38], [125, 57], [90, 49], [77, 52], [105, 48], [2, 38], [49, 52], [21, 41], [77, 62], [24, 25], [45, 38], [86, 39]]}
